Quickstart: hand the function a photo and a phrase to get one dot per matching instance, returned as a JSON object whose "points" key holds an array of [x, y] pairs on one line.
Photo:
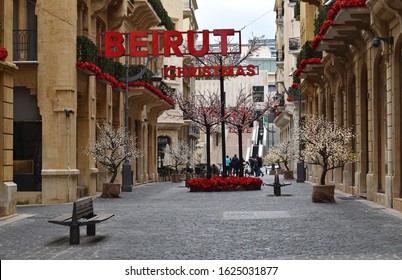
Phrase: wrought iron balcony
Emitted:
{"points": [[194, 131], [294, 44], [25, 45]]}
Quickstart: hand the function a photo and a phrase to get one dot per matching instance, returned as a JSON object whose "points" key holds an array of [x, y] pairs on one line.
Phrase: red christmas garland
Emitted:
{"points": [[116, 84], [336, 7]]}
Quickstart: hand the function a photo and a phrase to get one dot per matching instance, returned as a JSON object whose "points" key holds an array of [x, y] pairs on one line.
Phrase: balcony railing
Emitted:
{"points": [[25, 45], [194, 131], [294, 44]]}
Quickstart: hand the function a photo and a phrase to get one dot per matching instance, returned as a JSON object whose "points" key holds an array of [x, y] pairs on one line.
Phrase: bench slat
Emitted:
{"points": [[95, 219]]}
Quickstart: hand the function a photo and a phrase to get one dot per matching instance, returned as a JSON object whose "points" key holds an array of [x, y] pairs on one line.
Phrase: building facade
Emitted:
{"points": [[55, 89], [288, 45], [350, 71]]}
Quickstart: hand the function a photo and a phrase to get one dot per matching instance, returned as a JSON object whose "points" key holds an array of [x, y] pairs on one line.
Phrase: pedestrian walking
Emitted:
{"points": [[235, 165], [228, 165]]}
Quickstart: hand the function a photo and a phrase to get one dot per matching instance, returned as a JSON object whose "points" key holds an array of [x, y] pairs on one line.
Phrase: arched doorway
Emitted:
{"points": [[162, 142], [27, 141]]}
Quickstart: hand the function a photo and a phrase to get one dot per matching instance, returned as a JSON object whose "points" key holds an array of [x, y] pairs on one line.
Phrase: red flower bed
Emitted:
{"points": [[3, 53], [217, 184]]}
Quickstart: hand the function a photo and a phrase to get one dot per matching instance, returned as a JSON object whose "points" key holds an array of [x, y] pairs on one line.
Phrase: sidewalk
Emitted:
{"points": [[165, 221]]}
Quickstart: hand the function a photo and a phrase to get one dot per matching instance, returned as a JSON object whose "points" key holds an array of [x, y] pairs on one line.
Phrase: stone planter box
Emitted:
{"points": [[176, 178], [323, 193], [111, 190], [288, 174]]}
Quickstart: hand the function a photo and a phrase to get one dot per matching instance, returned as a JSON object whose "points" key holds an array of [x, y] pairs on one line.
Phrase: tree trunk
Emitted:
{"points": [[114, 175], [323, 175], [208, 134], [241, 160]]}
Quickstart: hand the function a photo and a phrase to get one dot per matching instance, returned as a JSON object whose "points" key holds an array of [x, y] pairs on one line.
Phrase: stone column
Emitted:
{"points": [[57, 77]]}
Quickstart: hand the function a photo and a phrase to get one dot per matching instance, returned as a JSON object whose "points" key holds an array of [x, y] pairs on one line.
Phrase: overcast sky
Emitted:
{"points": [[252, 17]]}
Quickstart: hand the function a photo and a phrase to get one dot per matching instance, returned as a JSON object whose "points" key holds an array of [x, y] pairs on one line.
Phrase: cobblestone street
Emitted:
{"points": [[165, 221]]}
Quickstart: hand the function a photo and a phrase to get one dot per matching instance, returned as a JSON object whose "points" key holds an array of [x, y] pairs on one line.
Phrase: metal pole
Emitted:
{"points": [[223, 104], [126, 176], [300, 165]]}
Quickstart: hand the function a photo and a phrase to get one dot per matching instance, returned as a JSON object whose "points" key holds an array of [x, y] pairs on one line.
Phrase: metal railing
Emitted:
{"points": [[194, 131], [25, 45]]}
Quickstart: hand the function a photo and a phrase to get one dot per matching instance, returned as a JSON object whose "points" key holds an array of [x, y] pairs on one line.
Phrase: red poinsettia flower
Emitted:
{"points": [[3, 53], [218, 183]]}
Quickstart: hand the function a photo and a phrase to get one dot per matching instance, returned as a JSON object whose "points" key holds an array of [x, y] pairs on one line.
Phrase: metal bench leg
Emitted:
{"points": [[91, 230], [277, 191], [75, 235]]}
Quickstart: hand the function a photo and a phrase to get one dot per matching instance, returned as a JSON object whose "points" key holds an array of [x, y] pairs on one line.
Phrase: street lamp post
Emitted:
{"points": [[301, 174], [223, 105], [127, 178]]}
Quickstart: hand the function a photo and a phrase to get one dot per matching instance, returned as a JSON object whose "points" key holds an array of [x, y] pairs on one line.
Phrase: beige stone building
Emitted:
{"points": [[357, 82], [50, 105], [288, 46]]}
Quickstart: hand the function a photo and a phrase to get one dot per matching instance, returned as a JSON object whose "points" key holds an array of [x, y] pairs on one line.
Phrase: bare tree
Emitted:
{"points": [[204, 111], [177, 155], [109, 150], [242, 115]]}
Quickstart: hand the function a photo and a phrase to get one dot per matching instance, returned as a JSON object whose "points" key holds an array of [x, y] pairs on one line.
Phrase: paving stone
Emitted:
{"points": [[166, 221]]}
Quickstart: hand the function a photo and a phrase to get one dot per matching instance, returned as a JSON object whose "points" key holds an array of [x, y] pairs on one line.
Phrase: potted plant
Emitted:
{"points": [[177, 156], [272, 159], [286, 153], [326, 144], [113, 147]]}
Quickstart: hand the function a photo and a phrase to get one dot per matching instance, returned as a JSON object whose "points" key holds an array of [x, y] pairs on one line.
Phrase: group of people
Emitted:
{"points": [[232, 165], [253, 167]]}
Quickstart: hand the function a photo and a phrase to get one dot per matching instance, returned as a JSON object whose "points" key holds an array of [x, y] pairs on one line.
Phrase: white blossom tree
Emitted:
{"points": [[286, 152], [177, 155], [272, 156], [326, 144], [109, 150]]}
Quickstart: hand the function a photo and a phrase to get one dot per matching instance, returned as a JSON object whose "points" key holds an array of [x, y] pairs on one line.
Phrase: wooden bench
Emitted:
{"points": [[82, 215]]}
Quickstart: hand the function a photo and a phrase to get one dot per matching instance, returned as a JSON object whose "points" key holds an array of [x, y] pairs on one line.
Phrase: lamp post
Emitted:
{"points": [[301, 174], [127, 178], [223, 104]]}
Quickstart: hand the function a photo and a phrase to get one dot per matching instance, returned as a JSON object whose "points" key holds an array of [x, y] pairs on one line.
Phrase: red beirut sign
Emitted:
{"points": [[245, 130], [136, 43], [172, 72]]}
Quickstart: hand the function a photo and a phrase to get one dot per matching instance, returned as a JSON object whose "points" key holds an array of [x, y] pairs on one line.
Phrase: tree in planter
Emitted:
{"points": [[272, 158], [326, 144], [109, 150], [286, 152], [178, 155]]}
